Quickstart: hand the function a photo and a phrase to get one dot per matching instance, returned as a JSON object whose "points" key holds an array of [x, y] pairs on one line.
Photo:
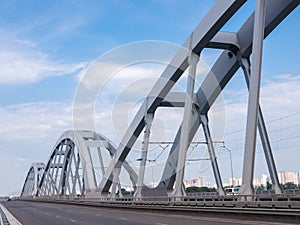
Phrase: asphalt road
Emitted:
{"points": [[36, 213]]}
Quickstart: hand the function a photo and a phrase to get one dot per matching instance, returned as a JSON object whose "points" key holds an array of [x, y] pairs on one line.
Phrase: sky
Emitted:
{"points": [[47, 47]]}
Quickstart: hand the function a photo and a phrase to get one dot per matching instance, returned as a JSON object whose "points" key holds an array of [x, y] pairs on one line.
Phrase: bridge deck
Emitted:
{"points": [[36, 213]]}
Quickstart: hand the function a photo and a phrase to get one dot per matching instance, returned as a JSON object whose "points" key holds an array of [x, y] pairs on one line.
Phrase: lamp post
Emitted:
{"points": [[231, 167]]}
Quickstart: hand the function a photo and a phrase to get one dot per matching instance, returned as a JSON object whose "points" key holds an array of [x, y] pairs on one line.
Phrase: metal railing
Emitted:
{"points": [[3, 218], [262, 200]]}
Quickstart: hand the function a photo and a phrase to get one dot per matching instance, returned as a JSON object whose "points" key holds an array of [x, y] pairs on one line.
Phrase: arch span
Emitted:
{"points": [[32, 180], [71, 171]]}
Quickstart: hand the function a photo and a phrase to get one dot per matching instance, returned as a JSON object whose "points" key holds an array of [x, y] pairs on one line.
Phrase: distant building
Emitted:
{"points": [[235, 181], [198, 182], [210, 185], [285, 177], [256, 182]]}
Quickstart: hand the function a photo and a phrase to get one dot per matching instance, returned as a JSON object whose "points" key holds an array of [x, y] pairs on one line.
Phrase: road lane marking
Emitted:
{"points": [[57, 216], [98, 215], [123, 218], [73, 221], [161, 224], [243, 221]]}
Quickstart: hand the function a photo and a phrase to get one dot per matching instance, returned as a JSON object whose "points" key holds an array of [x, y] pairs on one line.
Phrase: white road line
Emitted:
{"points": [[123, 218], [11, 219], [161, 224], [73, 221], [98, 215], [57, 216], [206, 218]]}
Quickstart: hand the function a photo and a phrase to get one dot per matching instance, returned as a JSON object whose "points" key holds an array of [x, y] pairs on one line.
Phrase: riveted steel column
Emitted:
{"points": [[253, 101], [212, 154], [186, 124], [140, 183], [245, 64]]}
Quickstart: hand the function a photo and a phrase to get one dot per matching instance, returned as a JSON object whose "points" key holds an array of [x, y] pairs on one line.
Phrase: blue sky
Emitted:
{"points": [[46, 45]]}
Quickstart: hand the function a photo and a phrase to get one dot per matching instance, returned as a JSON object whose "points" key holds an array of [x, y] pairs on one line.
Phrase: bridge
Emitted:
{"points": [[71, 174]]}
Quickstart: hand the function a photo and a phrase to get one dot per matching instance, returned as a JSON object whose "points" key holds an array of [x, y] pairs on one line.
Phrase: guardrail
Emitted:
{"points": [[263, 201], [3, 218]]}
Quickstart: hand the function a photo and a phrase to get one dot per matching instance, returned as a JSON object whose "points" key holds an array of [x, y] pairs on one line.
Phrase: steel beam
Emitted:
{"points": [[212, 154], [253, 100], [221, 73], [176, 99], [186, 124], [225, 40], [245, 65], [219, 14], [140, 184]]}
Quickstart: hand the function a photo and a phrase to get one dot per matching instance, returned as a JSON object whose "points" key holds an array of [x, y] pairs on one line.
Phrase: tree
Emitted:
{"points": [[289, 186], [269, 186], [195, 189], [260, 188], [124, 192]]}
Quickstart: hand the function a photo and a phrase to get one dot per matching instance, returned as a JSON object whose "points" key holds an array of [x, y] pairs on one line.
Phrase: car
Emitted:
{"points": [[232, 190]]}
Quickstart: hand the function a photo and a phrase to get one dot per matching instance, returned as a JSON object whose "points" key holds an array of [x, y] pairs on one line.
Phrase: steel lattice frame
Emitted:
{"points": [[63, 176], [63, 173], [237, 49], [69, 171], [32, 180]]}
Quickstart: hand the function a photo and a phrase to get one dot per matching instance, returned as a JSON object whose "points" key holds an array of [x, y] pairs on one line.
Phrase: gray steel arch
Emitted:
{"points": [[199, 39], [221, 73], [32, 180], [70, 171], [205, 35]]}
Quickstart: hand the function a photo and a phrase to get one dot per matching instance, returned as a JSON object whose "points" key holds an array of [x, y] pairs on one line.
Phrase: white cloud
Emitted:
{"points": [[29, 132], [21, 62], [27, 122], [279, 97], [281, 108], [281, 94]]}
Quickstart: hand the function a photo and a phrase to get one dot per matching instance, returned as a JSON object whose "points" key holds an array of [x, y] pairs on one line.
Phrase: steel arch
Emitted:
{"points": [[32, 180], [70, 171], [205, 35], [221, 73]]}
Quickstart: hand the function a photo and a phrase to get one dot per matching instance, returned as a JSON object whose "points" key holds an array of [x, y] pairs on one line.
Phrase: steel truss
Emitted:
{"points": [[32, 180], [70, 170], [237, 47]]}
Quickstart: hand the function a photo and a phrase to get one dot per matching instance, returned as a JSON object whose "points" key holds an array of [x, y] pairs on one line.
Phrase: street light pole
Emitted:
{"points": [[230, 157]]}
